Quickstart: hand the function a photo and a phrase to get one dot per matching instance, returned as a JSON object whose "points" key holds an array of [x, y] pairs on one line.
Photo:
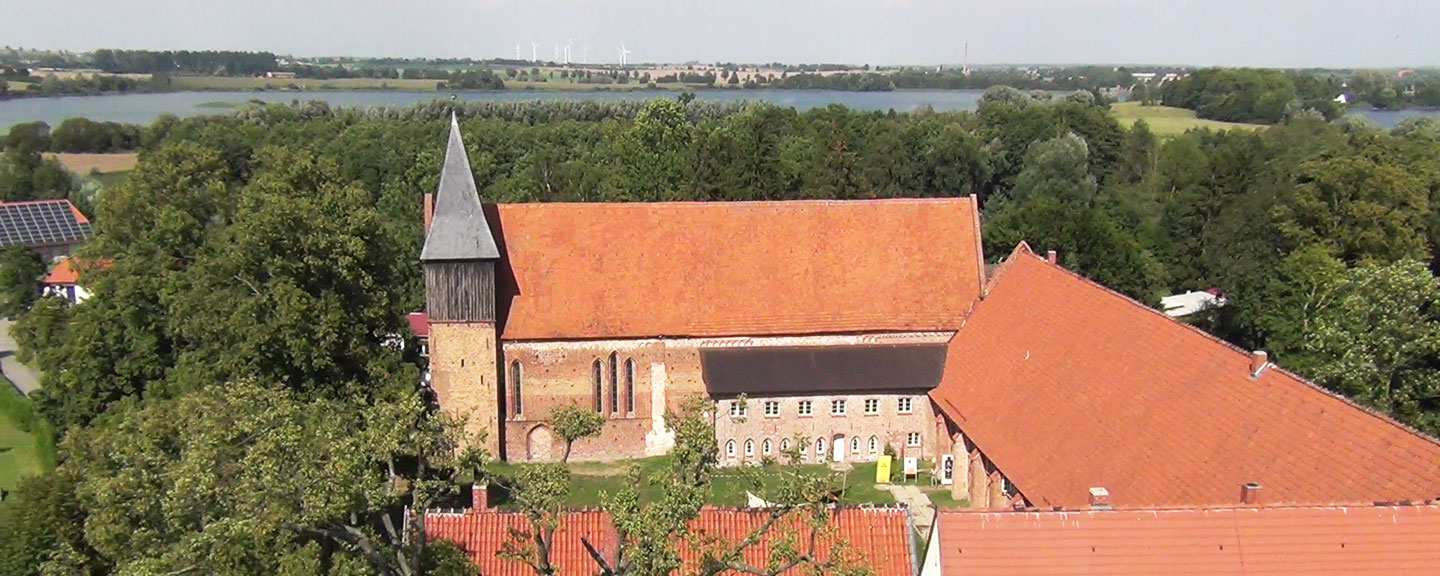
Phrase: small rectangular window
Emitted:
{"points": [[737, 409], [906, 405], [837, 407], [872, 406], [772, 408], [913, 439], [806, 408]]}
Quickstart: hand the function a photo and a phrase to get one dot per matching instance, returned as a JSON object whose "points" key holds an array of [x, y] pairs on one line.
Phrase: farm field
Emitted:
{"points": [[104, 163], [1166, 121], [251, 83]]}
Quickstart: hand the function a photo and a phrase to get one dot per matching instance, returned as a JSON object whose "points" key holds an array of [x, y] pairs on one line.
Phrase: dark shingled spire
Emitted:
{"points": [[459, 230]]}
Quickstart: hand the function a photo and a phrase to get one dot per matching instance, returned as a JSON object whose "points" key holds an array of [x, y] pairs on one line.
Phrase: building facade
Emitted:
{"points": [[631, 309]]}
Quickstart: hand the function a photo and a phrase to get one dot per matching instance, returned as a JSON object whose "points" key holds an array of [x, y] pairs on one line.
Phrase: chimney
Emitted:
{"points": [[1099, 498], [1250, 493], [1258, 360], [429, 210], [479, 497], [1051, 256]]}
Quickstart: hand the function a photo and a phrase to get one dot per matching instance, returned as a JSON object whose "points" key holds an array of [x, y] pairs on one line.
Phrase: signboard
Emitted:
{"points": [[947, 469], [882, 470], [912, 466]]}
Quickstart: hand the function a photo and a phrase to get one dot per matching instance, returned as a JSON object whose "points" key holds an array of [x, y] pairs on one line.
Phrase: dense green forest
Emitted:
{"points": [[258, 261]]}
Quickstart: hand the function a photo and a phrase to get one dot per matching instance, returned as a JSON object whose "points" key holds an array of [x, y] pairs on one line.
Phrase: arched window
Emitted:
{"points": [[784, 444], [820, 448], [874, 444], [749, 447], [765, 447], [614, 383], [630, 385], [855, 445], [595, 375], [515, 387], [730, 449]]}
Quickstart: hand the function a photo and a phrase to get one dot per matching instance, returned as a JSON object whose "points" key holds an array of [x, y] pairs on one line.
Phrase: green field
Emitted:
{"points": [[593, 479], [249, 83], [1165, 121], [26, 445]]}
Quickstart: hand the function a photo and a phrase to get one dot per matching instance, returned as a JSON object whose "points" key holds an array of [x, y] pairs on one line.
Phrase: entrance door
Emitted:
{"points": [[837, 445]]}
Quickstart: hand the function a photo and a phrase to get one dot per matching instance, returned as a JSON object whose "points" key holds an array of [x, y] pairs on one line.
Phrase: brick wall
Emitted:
{"points": [[887, 425], [463, 376]]}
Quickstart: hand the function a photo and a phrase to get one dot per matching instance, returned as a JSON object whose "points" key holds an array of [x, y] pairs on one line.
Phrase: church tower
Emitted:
{"points": [[459, 258]]}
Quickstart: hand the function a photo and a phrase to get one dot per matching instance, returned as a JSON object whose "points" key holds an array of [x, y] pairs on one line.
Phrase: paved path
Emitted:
{"points": [[922, 513], [27, 379]]}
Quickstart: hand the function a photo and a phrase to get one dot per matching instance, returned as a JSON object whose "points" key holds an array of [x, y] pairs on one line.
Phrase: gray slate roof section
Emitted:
{"points": [[458, 230]]}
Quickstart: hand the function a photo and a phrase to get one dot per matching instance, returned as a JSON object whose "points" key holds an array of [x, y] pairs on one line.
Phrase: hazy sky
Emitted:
{"points": [[1339, 33]]}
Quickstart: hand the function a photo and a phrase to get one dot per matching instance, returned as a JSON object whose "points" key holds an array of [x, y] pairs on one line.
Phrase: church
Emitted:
{"points": [[870, 327], [821, 319]]}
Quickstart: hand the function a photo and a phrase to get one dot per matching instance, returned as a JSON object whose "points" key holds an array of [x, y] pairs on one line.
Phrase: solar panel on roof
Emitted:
{"points": [[40, 224]]}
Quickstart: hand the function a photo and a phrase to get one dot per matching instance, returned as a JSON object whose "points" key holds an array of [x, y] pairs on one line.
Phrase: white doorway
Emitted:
{"points": [[837, 444]]}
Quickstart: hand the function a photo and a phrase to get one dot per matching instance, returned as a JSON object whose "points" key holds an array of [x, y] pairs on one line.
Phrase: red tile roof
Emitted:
{"points": [[63, 272], [1350, 540], [736, 268], [419, 324], [1066, 385], [881, 537]]}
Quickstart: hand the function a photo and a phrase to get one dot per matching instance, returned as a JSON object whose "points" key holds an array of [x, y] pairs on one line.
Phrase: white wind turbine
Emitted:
{"points": [[568, 43], [556, 53], [517, 51], [534, 54], [624, 56]]}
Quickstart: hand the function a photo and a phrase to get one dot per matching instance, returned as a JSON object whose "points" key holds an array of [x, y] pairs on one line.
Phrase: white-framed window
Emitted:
{"points": [[804, 448], [730, 448], [855, 445], [806, 407], [737, 409], [772, 408], [872, 405], [874, 444], [913, 439], [749, 447], [765, 447], [784, 444], [820, 447], [907, 405], [837, 407]]}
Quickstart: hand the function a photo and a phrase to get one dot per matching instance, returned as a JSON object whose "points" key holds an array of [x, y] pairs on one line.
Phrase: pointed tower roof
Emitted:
{"points": [[459, 230]]}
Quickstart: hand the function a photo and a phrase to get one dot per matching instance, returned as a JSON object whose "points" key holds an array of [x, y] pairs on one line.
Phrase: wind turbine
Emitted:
{"points": [[568, 42], [517, 51], [556, 53], [584, 54], [534, 55], [624, 56]]}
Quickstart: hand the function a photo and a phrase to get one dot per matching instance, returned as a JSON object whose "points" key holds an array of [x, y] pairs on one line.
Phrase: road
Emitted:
{"points": [[27, 379]]}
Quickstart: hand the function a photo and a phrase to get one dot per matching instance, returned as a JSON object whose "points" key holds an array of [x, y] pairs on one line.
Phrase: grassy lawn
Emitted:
{"points": [[592, 479], [1165, 121], [250, 83], [26, 446], [112, 179], [940, 497]]}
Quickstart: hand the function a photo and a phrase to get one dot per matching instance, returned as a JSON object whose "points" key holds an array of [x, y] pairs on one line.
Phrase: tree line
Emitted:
{"points": [[259, 261], [206, 62]]}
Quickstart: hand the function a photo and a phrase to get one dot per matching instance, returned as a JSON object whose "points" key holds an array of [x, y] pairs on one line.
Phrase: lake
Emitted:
{"points": [[144, 108]]}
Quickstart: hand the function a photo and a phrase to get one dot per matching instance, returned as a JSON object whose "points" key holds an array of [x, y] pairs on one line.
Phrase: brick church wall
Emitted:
{"points": [[888, 425]]}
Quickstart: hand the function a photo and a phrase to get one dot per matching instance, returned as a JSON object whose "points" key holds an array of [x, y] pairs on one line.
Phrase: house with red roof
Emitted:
{"points": [[52, 228], [63, 281], [1056, 386], [879, 538]]}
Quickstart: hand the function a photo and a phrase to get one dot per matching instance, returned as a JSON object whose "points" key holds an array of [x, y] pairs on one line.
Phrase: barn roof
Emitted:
{"points": [[459, 230], [1352, 540], [702, 269], [770, 371], [881, 538], [1065, 385], [42, 223]]}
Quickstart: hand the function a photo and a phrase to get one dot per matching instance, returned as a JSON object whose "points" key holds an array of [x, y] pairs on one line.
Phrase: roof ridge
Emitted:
{"points": [[1216, 339], [1429, 505], [797, 201]]}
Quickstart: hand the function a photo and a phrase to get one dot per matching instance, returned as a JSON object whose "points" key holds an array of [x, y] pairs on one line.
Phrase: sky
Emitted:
{"points": [[1270, 33]]}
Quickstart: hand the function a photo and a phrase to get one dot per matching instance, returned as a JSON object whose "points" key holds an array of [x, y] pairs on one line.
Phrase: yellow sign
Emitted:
{"points": [[882, 470]]}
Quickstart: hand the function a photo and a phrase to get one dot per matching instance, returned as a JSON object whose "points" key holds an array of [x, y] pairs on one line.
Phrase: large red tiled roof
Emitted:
{"points": [[735, 268], [880, 538], [64, 271], [1066, 385], [1314, 540]]}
